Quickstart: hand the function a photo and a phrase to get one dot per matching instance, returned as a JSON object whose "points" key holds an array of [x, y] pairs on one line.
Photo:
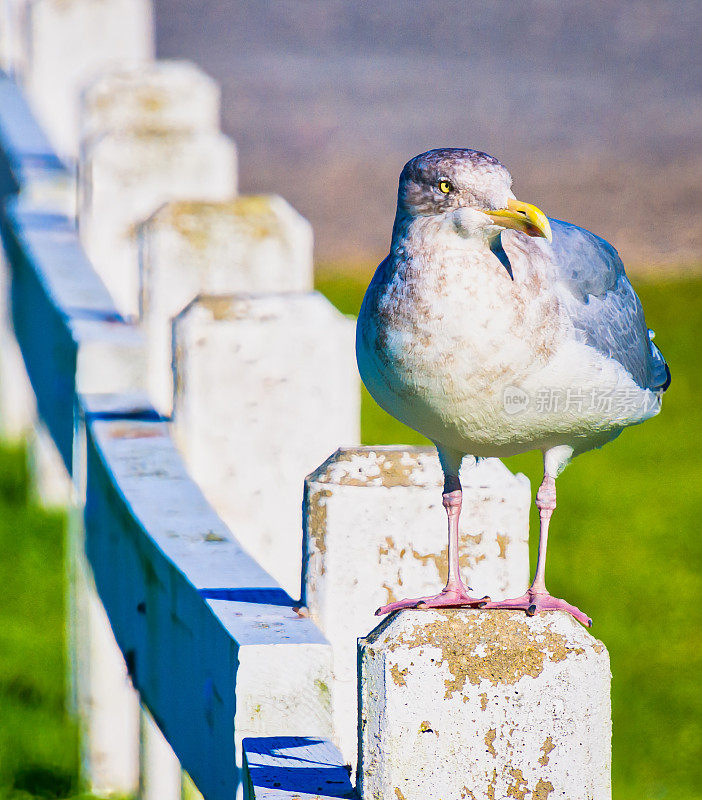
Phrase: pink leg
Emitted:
{"points": [[537, 598], [455, 592]]}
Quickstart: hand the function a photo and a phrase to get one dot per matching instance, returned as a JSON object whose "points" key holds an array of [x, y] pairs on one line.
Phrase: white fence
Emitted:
{"points": [[213, 614]]}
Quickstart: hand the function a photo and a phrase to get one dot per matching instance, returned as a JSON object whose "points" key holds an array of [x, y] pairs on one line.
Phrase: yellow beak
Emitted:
{"points": [[522, 217]]}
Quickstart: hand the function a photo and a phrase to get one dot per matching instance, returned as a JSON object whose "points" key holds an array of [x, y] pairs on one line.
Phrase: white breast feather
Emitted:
{"points": [[443, 340]]}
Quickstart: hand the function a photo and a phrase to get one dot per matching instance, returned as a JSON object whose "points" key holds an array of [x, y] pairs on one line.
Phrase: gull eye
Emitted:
{"points": [[445, 186]]}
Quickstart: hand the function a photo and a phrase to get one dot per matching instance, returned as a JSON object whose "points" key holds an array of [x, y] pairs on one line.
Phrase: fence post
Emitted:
{"points": [[101, 691], [10, 36], [160, 775], [108, 707], [217, 650], [103, 697], [375, 531], [17, 403], [50, 482], [249, 244], [157, 95], [65, 44], [475, 704], [125, 176], [266, 388]]}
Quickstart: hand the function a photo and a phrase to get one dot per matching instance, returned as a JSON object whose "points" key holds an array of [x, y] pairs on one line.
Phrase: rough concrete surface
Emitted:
{"points": [[476, 705]]}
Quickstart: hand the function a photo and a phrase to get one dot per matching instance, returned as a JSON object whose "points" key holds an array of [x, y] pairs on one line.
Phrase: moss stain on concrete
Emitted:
{"points": [[490, 742], [316, 512], [520, 787], [250, 219], [324, 692], [440, 560], [511, 648], [546, 748], [395, 468], [222, 308], [399, 675], [388, 547], [542, 791], [491, 787], [391, 596]]}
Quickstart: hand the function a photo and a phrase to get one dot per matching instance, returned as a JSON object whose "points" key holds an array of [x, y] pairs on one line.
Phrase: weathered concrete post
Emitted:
{"points": [[475, 705], [108, 706], [65, 44], [125, 176], [50, 481], [249, 244], [103, 697], [375, 531], [266, 388], [156, 95], [17, 403], [160, 773], [10, 35]]}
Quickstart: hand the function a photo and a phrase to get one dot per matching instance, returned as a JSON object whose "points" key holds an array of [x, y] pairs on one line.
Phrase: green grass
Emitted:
{"points": [[626, 548], [38, 744]]}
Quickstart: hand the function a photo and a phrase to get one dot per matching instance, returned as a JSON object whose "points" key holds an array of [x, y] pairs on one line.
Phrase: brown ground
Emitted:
{"points": [[594, 107]]}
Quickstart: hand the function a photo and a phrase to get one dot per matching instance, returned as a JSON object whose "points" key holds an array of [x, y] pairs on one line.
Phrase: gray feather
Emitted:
{"points": [[603, 305]]}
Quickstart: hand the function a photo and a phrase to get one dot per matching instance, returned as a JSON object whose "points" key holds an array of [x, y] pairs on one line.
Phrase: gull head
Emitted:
{"points": [[471, 186]]}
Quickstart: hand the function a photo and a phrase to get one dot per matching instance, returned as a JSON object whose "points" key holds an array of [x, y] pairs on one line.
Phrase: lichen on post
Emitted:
{"points": [[483, 704], [158, 95]]}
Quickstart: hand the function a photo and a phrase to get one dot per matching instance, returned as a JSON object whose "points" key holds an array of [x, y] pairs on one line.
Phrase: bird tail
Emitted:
{"points": [[660, 371]]}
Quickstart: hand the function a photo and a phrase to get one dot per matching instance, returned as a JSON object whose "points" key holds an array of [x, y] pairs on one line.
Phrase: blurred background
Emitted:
{"points": [[593, 106], [595, 109]]}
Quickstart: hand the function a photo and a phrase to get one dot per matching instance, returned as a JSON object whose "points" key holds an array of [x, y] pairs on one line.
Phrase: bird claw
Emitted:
{"points": [[536, 602], [448, 598]]}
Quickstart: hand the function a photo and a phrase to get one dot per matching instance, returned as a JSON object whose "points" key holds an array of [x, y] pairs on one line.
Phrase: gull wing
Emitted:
{"points": [[606, 311]]}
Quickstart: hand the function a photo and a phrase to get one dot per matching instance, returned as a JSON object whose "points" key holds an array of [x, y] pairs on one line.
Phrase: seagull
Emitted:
{"points": [[493, 330]]}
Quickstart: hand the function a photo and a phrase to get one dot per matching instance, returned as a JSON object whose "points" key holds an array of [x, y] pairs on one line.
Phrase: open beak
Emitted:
{"points": [[522, 217]]}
